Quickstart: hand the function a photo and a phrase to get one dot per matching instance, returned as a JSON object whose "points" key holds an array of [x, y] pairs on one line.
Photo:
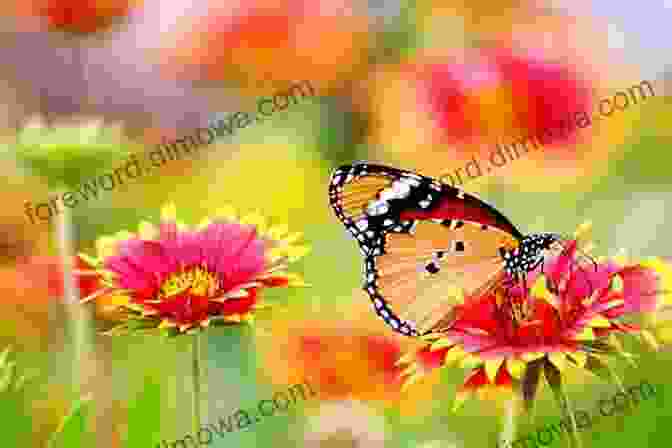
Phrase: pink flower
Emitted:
{"points": [[501, 96], [180, 278], [569, 317]]}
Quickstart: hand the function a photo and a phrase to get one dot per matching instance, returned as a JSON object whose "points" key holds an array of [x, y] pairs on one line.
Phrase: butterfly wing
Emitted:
{"points": [[421, 239]]}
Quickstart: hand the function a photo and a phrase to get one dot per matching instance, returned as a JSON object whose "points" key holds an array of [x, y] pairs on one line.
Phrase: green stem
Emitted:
{"points": [[71, 294], [574, 438], [196, 379], [509, 424]]}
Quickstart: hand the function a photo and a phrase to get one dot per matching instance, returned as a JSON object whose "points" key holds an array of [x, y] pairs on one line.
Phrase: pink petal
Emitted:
{"points": [[640, 288], [130, 275]]}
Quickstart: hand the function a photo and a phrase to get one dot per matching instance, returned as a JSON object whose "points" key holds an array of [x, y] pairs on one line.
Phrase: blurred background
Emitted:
{"points": [[424, 85]]}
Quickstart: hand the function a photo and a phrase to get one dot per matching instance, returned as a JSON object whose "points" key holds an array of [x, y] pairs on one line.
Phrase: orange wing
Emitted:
{"points": [[423, 242]]}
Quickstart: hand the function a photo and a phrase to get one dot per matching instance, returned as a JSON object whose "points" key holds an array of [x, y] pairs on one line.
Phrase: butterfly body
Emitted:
{"points": [[421, 239], [528, 254]]}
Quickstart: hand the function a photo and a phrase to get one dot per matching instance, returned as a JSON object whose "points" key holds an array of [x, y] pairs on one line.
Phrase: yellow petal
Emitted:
{"points": [[585, 335], [460, 398], [278, 231], [559, 360], [540, 290], [167, 324], [106, 246], [205, 222], [407, 358], [227, 212], [650, 339], [295, 280], [260, 306], [470, 361], [599, 322], [92, 261], [441, 343], [276, 253], [124, 235], [147, 231], [135, 307], [582, 233], [431, 336], [169, 212], [410, 381], [410, 370], [516, 368], [454, 354], [233, 318], [580, 358], [256, 220], [292, 238], [296, 252], [529, 357], [621, 257], [492, 367]]}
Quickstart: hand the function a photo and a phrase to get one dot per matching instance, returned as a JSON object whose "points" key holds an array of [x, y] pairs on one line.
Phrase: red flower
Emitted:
{"points": [[182, 279], [567, 318], [77, 16], [501, 96]]}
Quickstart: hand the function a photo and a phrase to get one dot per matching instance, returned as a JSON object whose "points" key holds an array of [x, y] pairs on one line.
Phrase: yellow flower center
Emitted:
{"points": [[196, 281], [518, 309]]}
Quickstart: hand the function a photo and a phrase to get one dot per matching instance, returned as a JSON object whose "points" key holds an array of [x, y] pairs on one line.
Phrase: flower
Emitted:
{"points": [[342, 362], [345, 424], [180, 279], [572, 316], [502, 95], [68, 152], [270, 42], [76, 16], [353, 358]]}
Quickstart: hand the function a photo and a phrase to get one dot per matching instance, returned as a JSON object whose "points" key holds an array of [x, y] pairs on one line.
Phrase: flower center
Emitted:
{"points": [[196, 281], [517, 308]]}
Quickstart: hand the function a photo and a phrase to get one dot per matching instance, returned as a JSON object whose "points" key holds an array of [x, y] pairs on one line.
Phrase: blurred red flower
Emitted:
{"points": [[501, 95], [76, 16]]}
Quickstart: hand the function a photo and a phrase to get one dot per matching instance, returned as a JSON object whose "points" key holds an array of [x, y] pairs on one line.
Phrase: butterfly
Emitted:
{"points": [[424, 241]]}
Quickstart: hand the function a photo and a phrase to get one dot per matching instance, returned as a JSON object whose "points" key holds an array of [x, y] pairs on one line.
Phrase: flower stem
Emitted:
{"points": [[70, 293], [574, 438], [509, 424], [196, 379]]}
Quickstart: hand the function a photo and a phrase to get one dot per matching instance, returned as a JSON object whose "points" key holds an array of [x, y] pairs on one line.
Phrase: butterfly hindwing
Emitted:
{"points": [[420, 239]]}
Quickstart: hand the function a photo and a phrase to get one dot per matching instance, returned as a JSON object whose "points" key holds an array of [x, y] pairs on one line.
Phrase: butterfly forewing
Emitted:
{"points": [[421, 240]]}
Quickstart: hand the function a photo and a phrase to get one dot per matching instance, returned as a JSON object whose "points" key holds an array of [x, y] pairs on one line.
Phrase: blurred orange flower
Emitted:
{"points": [[76, 16], [273, 43], [351, 357]]}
